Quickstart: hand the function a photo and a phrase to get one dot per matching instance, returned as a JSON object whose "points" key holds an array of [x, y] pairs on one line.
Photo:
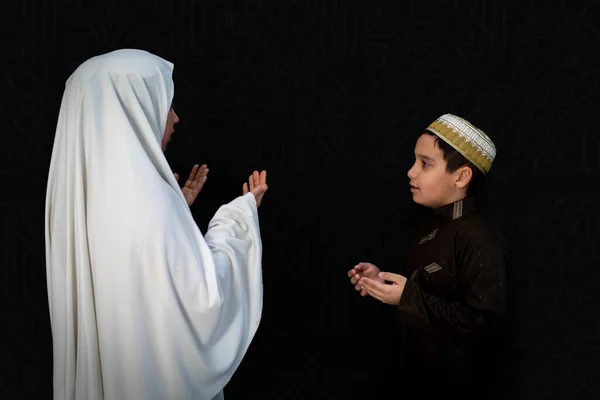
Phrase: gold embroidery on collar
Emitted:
{"points": [[458, 210]]}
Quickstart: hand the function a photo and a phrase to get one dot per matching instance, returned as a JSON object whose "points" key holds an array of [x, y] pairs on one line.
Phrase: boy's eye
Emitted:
{"points": [[425, 164]]}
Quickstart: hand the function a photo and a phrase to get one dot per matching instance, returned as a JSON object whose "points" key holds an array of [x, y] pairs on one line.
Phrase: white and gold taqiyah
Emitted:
{"points": [[467, 139]]}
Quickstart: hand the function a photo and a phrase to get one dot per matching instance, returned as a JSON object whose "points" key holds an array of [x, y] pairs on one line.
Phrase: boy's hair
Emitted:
{"points": [[455, 160]]}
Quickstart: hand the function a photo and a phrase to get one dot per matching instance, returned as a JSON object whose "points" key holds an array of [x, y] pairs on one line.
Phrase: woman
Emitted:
{"points": [[142, 306]]}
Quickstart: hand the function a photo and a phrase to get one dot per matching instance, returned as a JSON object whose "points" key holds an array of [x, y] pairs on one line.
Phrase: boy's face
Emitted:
{"points": [[431, 185]]}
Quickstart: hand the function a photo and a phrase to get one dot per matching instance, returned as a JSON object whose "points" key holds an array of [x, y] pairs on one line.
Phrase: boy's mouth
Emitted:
{"points": [[413, 188]]}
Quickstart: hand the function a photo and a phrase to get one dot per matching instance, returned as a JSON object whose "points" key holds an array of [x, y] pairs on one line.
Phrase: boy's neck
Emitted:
{"points": [[457, 208], [453, 199]]}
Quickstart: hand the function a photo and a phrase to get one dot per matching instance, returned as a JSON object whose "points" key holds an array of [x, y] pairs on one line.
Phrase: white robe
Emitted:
{"points": [[142, 306]]}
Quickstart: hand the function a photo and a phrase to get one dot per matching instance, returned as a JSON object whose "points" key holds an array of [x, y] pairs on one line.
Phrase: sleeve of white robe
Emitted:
{"points": [[222, 292], [233, 237]]}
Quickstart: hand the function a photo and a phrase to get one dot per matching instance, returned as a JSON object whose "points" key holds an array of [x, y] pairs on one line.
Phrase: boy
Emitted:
{"points": [[452, 303]]}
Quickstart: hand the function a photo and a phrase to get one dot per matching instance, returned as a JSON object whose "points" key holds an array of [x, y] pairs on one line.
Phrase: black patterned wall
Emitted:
{"points": [[329, 96]]}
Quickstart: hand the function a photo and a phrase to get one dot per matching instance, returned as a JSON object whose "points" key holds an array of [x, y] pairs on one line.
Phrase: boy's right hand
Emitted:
{"points": [[363, 269]]}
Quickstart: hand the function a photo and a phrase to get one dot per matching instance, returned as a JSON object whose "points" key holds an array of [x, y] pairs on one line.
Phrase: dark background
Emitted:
{"points": [[329, 96]]}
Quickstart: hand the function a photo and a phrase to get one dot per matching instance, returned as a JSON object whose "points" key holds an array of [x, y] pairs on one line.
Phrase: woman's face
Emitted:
{"points": [[172, 120]]}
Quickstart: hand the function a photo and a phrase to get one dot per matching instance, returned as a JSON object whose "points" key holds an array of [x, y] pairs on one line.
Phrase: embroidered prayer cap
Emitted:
{"points": [[467, 139]]}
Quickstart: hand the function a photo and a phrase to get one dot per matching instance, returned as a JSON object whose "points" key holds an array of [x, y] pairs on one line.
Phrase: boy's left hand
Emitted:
{"points": [[388, 293]]}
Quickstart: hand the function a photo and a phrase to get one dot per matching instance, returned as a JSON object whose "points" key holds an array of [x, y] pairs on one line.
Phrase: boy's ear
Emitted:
{"points": [[463, 177]]}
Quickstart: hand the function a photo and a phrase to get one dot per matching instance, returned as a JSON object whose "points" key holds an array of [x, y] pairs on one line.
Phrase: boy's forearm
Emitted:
{"points": [[426, 311]]}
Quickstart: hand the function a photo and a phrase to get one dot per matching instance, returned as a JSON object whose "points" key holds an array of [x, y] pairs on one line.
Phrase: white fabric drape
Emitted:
{"points": [[142, 306]]}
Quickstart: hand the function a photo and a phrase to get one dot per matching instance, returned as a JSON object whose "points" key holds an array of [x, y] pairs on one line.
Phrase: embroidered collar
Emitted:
{"points": [[457, 209]]}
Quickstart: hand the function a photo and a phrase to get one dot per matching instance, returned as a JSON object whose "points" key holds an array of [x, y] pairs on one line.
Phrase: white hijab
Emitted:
{"points": [[141, 305]]}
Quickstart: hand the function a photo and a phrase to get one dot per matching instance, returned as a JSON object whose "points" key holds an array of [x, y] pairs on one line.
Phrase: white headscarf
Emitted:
{"points": [[141, 305]]}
